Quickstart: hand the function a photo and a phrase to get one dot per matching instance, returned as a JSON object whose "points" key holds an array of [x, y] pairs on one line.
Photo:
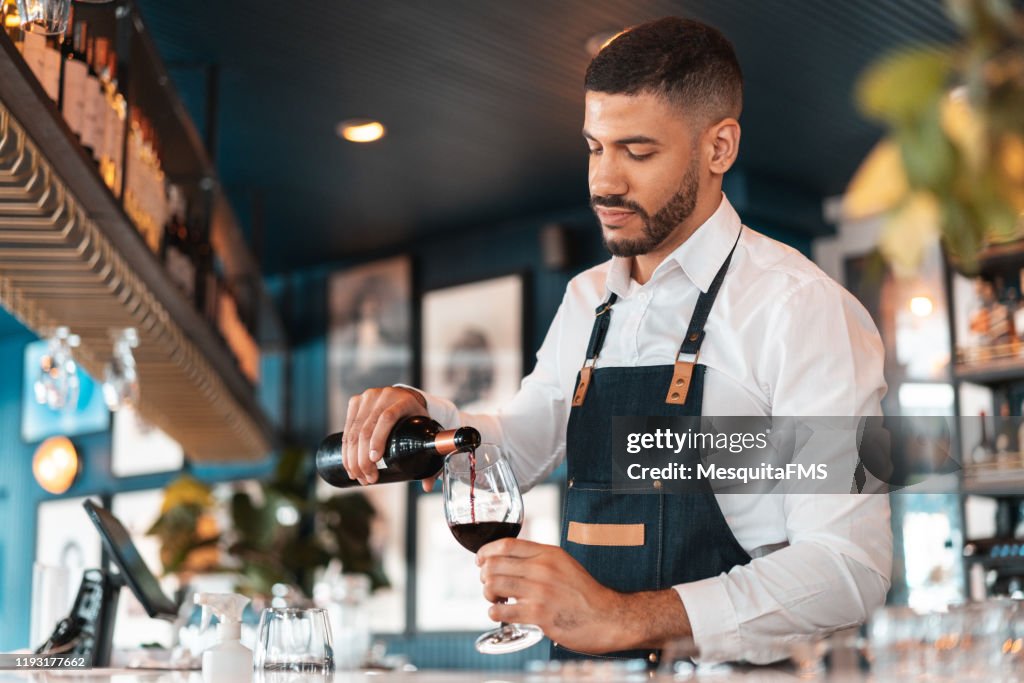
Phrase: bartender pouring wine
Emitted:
{"points": [[694, 314]]}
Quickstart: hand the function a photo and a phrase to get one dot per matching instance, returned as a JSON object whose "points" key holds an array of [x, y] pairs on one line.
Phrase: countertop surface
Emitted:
{"points": [[607, 675]]}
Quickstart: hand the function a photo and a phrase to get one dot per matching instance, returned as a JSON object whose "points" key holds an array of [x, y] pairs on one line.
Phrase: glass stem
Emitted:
{"points": [[508, 631]]}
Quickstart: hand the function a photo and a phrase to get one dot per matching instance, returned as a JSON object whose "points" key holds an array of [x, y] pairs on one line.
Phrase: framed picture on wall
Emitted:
{"points": [[141, 448], [369, 332], [473, 342]]}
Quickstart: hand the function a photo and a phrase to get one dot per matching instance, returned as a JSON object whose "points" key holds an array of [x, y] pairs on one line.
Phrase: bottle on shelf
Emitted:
{"points": [[111, 158], [145, 194], [983, 452], [175, 249], [11, 23], [1005, 435], [94, 103], [416, 449], [42, 54], [76, 72]]}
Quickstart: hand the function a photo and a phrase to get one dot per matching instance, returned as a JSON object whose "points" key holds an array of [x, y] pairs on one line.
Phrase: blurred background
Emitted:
{"points": [[219, 221]]}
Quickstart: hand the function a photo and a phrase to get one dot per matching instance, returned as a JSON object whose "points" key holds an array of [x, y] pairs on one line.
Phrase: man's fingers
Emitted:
{"points": [[428, 483], [510, 547], [367, 424], [503, 587], [515, 613], [386, 421], [347, 443], [507, 566]]}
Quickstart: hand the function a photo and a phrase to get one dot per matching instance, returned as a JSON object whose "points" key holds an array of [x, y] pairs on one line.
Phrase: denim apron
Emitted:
{"points": [[649, 541]]}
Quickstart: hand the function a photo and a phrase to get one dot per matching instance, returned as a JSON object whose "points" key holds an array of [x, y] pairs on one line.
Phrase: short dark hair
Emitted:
{"points": [[689, 63]]}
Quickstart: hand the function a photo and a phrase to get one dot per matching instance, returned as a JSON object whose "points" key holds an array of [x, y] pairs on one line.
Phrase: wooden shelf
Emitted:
{"points": [[70, 256], [992, 480], [991, 372]]}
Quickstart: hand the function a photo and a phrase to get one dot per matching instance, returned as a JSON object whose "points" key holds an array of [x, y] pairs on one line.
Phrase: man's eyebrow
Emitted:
{"points": [[632, 140]]}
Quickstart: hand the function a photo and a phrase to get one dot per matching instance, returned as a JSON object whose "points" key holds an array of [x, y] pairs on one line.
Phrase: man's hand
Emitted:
{"points": [[371, 416], [553, 591]]}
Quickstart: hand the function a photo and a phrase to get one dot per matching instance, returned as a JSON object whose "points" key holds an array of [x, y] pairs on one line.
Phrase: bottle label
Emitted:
{"points": [[35, 44], [92, 128], [51, 73], [381, 465], [75, 73]]}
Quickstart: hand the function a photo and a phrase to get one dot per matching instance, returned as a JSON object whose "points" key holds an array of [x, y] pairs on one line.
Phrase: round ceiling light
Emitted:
{"points": [[55, 464], [361, 130]]}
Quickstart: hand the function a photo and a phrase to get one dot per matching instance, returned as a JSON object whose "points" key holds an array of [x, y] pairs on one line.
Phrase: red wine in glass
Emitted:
{"points": [[482, 503], [476, 535]]}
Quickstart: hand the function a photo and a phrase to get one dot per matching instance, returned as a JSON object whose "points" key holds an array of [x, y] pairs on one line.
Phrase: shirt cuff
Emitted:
{"points": [[716, 631]]}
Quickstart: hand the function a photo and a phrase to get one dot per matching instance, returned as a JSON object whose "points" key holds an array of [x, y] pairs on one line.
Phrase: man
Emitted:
{"points": [[763, 332]]}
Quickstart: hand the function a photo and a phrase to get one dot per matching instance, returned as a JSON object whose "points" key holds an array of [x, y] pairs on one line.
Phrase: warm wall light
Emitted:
{"points": [[921, 306], [55, 464], [361, 130]]}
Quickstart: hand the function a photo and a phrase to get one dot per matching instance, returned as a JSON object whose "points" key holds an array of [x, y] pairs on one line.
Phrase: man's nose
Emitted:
{"points": [[606, 178]]}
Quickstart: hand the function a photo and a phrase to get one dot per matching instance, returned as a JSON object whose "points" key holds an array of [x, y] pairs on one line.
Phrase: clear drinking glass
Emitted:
{"points": [[49, 17], [58, 383], [895, 635], [293, 645], [482, 503]]}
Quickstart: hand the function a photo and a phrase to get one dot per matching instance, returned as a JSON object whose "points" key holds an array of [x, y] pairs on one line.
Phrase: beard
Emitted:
{"points": [[656, 228]]}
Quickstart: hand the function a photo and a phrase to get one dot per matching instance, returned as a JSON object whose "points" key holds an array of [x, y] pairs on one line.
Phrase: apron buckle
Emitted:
{"points": [[584, 383], [679, 387]]}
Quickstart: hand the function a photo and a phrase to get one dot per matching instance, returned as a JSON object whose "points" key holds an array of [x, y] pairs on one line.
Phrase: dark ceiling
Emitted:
{"points": [[483, 104]]}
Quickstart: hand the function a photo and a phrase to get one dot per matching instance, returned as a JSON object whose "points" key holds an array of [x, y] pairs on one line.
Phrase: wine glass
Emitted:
{"points": [[482, 503], [49, 17]]}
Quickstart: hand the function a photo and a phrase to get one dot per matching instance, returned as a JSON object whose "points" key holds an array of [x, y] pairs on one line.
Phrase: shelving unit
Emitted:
{"points": [[69, 255], [1001, 481]]}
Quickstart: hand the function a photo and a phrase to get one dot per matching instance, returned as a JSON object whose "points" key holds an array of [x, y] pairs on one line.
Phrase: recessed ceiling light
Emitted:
{"points": [[599, 41], [361, 130]]}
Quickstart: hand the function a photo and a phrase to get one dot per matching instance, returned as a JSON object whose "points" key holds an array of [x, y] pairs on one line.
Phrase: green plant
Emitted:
{"points": [[951, 164], [278, 532]]}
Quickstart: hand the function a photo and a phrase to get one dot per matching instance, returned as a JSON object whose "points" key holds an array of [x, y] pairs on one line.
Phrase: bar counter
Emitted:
{"points": [[769, 674]]}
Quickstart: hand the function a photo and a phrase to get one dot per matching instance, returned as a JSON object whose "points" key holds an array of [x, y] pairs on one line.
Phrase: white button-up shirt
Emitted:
{"points": [[782, 339]]}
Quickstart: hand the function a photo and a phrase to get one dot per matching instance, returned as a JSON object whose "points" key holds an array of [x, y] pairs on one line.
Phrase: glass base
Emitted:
{"points": [[508, 638]]}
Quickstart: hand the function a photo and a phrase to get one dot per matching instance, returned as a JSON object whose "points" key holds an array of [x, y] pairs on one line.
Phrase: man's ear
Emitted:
{"points": [[723, 140]]}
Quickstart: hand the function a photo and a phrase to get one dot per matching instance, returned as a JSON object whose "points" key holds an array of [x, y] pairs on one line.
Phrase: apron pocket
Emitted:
{"points": [[616, 537]]}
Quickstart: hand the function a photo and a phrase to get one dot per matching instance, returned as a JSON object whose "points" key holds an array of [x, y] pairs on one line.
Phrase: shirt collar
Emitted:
{"points": [[700, 256]]}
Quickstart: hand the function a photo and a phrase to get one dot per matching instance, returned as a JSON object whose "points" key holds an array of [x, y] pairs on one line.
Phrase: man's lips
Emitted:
{"points": [[613, 216]]}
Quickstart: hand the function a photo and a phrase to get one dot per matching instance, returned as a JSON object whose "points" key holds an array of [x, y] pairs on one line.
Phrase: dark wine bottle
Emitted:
{"points": [[415, 449]]}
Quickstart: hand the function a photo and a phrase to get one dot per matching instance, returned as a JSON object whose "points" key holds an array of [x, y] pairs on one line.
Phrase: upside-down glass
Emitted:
{"points": [[58, 383], [49, 17], [293, 644], [482, 503]]}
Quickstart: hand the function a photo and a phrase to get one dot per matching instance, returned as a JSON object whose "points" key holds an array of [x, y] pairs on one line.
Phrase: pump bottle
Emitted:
{"points": [[228, 660]]}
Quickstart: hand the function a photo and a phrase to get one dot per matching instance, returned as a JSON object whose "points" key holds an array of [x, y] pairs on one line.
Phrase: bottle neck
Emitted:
{"points": [[450, 441], [446, 442], [229, 630]]}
